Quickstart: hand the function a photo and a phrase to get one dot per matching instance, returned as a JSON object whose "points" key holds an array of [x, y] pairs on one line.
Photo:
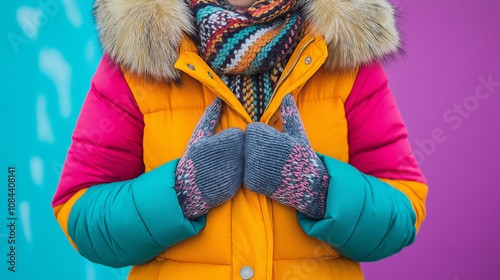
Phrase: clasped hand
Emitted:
{"points": [[280, 165]]}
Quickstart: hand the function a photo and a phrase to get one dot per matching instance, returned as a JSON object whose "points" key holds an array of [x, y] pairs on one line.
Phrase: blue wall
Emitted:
{"points": [[52, 51]]}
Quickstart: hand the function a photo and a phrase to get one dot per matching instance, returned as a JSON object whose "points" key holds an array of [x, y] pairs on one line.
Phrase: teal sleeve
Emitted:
{"points": [[366, 219], [131, 222]]}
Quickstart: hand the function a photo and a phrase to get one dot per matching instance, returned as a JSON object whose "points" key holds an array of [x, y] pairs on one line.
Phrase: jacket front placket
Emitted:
{"points": [[307, 58]]}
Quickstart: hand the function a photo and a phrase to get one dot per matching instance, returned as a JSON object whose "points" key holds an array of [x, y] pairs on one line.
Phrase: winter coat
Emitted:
{"points": [[116, 200]]}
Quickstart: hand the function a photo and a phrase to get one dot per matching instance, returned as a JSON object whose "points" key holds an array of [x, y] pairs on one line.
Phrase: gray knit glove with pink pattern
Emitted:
{"points": [[211, 169], [283, 166]]}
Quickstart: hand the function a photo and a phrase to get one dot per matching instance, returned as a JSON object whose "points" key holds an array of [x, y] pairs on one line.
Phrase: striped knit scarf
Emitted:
{"points": [[248, 48]]}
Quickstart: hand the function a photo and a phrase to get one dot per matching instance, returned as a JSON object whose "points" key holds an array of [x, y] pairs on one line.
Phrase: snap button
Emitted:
{"points": [[246, 272], [210, 75], [191, 66], [308, 60]]}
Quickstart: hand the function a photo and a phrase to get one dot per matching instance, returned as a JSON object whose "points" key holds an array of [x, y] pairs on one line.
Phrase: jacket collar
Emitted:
{"points": [[310, 54], [144, 37]]}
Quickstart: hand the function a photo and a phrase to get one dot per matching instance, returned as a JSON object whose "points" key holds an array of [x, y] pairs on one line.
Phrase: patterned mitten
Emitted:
{"points": [[284, 166], [211, 169]]}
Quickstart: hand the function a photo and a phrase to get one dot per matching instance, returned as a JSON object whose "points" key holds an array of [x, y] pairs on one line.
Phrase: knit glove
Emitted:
{"points": [[211, 169], [283, 166]]}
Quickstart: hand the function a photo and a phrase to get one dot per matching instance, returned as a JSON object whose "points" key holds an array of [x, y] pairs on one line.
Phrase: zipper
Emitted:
{"points": [[266, 201], [288, 72]]}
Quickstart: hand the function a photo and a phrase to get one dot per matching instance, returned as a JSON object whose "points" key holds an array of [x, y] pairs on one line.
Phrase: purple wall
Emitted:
{"points": [[442, 89]]}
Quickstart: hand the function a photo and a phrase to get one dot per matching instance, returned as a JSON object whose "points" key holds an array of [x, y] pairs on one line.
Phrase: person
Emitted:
{"points": [[241, 139]]}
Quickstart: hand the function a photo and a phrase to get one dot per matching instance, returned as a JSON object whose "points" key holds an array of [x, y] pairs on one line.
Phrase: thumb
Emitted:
{"points": [[292, 123], [208, 121]]}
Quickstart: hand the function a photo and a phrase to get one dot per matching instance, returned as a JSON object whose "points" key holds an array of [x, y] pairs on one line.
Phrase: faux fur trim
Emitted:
{"points": [[356, 32], [143, 36]]}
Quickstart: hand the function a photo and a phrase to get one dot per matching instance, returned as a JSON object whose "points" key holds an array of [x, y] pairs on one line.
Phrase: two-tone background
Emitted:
{"points": [[447, 87]]}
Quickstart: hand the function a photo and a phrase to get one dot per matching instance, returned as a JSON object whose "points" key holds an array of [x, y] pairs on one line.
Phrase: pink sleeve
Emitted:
{"points": [[107, 140], [377, 136]]}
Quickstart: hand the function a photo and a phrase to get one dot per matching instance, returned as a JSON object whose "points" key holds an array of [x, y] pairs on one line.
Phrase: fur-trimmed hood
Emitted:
{"points": [[143, 36]]}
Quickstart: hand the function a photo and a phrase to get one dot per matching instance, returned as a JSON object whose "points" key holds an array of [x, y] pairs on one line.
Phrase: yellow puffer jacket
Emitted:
{"points": [[251, 229], [252, 235]]}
